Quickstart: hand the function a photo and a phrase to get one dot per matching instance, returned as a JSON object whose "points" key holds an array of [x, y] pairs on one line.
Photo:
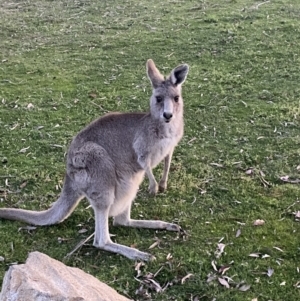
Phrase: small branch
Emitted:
{"points": [[259, 4], [297, 202], [97, 106], [79, 245]]}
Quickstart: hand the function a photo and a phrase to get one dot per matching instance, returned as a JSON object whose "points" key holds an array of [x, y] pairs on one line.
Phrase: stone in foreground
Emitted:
{"points": [[43, 278]]}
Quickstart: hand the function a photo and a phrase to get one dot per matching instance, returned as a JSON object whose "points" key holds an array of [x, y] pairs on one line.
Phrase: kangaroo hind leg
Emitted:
{"points": [[124, 219], [101, 203], [95, 171]]}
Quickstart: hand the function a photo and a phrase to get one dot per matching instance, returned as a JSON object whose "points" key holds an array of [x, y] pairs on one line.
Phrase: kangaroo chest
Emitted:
{"points": [[161, 148], [156, 142]]}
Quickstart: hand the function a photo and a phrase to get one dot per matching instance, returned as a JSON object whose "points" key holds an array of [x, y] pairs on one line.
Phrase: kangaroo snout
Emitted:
{"points": [[167, 116]]}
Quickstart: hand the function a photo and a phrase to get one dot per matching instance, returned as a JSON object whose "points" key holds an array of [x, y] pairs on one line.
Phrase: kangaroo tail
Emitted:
{"points": [[59, 211]]}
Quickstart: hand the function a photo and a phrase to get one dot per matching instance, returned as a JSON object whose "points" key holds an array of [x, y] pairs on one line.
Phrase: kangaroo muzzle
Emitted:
{"points": [[167, 116], [168, 111]]}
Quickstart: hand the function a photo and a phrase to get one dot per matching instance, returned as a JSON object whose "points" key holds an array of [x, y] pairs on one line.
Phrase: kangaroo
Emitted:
{"points": [[107, 161]]}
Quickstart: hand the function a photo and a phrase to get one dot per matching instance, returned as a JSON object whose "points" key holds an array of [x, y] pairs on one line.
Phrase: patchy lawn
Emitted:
{"points": [[64, 63]]}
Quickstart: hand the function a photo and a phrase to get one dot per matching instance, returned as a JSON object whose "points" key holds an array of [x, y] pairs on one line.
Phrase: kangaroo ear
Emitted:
{"points": [[178, 75], [154, 75]]}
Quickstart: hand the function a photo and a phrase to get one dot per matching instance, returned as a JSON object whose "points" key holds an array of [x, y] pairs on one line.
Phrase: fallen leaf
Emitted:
{"points": [[223, 282], [23, 150], [263, 180], [155, 244], [284, 178], [223, 269], [186, 277], [155, 285], [14, 126], [56, 145], [23, 184], [220, 250], [211, 277], [82, 231], [258, 222], [249, 171], [237, 163], [1, 258], [270, 272], [256, 255], [276, 248], [214, 266], [30, 106], [221, 247], [238, 233], [92, 95], [265, 256], [244, 287], [62, 239], [228, 279], [141, 291], [193, 139], [138, 268], [282, 283], [138, 265], [216, 164], [287, 179], [202, 191], [27, 228], [297, 285], [255, 299]]}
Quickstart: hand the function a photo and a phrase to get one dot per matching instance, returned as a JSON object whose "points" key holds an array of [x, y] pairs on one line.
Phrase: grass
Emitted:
{"points": [[64, 63]]}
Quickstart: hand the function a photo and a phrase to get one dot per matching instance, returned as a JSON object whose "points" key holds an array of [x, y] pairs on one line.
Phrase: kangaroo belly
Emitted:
{"points": [[125, 192]]}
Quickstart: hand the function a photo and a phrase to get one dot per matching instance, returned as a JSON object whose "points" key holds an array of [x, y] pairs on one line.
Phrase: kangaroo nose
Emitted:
{"points": [[167, 116]]}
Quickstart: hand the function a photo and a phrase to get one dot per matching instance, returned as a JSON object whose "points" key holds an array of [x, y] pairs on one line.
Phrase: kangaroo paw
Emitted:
{"points": [[153, 189], [174, 227]]}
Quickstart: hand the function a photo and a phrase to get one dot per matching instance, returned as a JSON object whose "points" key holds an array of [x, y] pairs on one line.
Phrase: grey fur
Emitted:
{"points": [[107, 161]]}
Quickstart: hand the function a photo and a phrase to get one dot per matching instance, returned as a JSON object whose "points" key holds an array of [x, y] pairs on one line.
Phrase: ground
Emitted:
{"points": [[64, 63]]}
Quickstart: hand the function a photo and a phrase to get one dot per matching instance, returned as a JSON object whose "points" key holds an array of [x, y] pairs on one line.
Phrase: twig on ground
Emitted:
{"points": [[79, 245]]}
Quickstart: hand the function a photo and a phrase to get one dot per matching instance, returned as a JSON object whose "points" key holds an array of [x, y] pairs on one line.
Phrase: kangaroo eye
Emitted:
{"points": [[176, 98], [159, 98]]}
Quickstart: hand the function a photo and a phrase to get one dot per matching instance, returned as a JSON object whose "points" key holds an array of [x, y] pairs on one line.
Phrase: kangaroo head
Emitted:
{"points": [[166, 102]]}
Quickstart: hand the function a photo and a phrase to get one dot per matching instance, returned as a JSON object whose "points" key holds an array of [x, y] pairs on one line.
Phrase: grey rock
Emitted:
{"points": [[43, 278]]}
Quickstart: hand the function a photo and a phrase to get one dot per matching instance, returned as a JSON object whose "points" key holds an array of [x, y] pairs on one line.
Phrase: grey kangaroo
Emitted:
{"points": [[108, 159]]}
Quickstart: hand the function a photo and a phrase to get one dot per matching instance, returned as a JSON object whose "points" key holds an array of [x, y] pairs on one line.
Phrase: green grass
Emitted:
{"points": [[72, 61]]}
